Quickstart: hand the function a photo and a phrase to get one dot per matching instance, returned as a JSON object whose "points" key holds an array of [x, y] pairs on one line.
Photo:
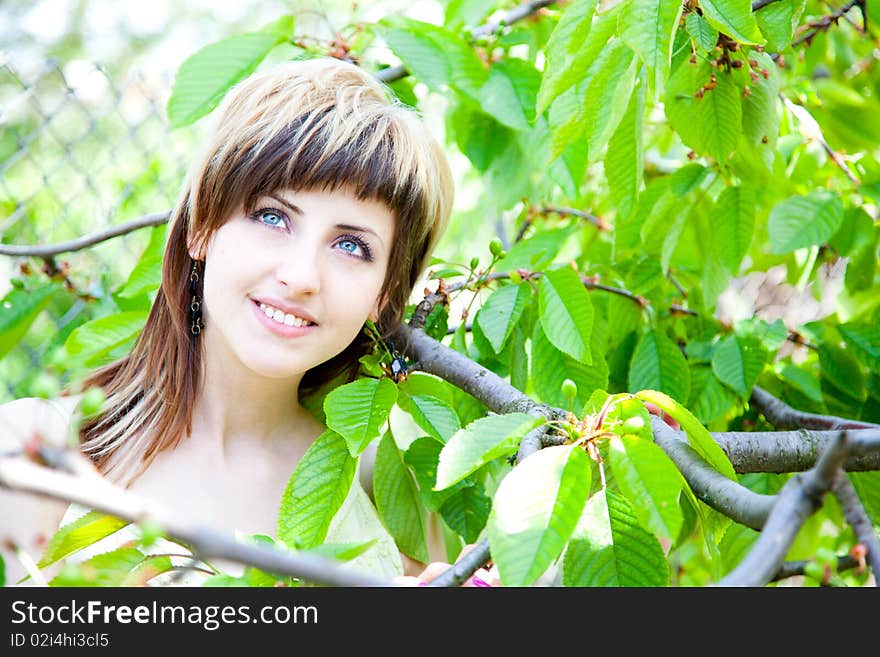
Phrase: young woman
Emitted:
{"points": [[312, 208]]}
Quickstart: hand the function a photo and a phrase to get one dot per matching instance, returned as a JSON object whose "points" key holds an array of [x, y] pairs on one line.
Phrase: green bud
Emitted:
{"points": [[45, 385], [633, 425], [496, 247], [515, 278], [92, 401], [475, 261], [569, 389]]}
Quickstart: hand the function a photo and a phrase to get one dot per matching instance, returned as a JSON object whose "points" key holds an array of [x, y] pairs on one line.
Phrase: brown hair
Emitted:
{"points": [[319, 124]]}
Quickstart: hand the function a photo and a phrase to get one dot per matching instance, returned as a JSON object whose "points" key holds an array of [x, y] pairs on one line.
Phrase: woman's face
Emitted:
{"points": [[317, 256]]}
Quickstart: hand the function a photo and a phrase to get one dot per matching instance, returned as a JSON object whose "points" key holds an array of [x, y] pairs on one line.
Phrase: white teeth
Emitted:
{"points": [[282, 317]]}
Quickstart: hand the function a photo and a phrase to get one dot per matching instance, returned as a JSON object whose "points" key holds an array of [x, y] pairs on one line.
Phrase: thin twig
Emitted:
{"points": [[49, 250], [858, 519]]}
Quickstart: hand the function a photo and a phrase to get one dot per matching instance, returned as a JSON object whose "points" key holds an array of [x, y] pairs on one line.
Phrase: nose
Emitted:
{"points": [[299, 269]]}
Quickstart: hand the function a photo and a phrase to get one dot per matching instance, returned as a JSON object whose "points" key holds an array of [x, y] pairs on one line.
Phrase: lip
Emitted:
{"points": [[281, 330], [286, 307]]}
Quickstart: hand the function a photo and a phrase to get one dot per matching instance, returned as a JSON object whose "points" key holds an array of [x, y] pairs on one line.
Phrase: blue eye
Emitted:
{"points": [[348, 245], [271, 215], [271, 218], [351, 244]]}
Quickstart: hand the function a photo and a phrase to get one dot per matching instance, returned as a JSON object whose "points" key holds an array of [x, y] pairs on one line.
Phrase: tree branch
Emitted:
{"points": [[783, 416], [459, 370], [722, 494], [462, 569], [760, 4], [798, 500], [795, 451], [49, 250], [98, 493], [793, 568]]}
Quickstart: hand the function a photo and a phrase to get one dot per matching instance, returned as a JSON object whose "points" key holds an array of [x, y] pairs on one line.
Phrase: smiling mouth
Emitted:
{"points": [[283, 318]]}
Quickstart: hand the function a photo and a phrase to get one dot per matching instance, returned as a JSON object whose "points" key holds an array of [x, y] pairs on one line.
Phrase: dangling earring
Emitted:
{"points": [[195, 305]]}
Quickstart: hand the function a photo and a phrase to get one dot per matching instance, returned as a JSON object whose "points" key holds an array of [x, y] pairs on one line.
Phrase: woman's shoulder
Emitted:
{"points": [[21, 419]]}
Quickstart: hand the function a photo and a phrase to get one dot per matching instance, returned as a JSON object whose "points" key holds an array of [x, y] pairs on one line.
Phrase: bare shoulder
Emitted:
{"points": [[29, 520], [50, 418]]}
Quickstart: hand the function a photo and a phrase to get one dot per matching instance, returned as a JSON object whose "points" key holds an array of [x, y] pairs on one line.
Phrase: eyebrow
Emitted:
{"points": [[297, 210]]}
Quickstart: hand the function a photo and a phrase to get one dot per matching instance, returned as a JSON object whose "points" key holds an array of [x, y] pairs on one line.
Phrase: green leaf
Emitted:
{"points": [[801, 221], [422, 457], [357, 410], [609, 547], [738, 362], [204, 77], [710, 399], [427, 385], [564, 51], [867, 485], [624, 160], [647, 26], [536, 251], [146, 570], [501, 312], [551, 367], [146, 277], [734, 226], [78, 534], [566, 313], [433, 415], [342, 551], [734, 18], [736, 544], [710, 125], [480, 442], [466, 511], [598, 103], [704, 34], [776, 22], [535, 510], [760, 109], [91, 344], [658, 364], [687, 178], [841, 368], [510, 92], [650, 481], [864, 339], [421, 55], [397, 500], [698, 436], [435, 55], [18, 310], [802, 380], [316, 491], [103, 570]]}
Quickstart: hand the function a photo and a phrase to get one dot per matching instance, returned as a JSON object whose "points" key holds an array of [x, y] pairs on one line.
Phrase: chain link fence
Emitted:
{"points": [[80, 151]]}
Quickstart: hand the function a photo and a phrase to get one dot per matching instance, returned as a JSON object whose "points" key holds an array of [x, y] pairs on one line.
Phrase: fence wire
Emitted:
{"points": [[80, 151]]}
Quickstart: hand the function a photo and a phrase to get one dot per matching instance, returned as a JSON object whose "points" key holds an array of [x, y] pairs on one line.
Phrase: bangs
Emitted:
{"points": [[307, 155]]}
